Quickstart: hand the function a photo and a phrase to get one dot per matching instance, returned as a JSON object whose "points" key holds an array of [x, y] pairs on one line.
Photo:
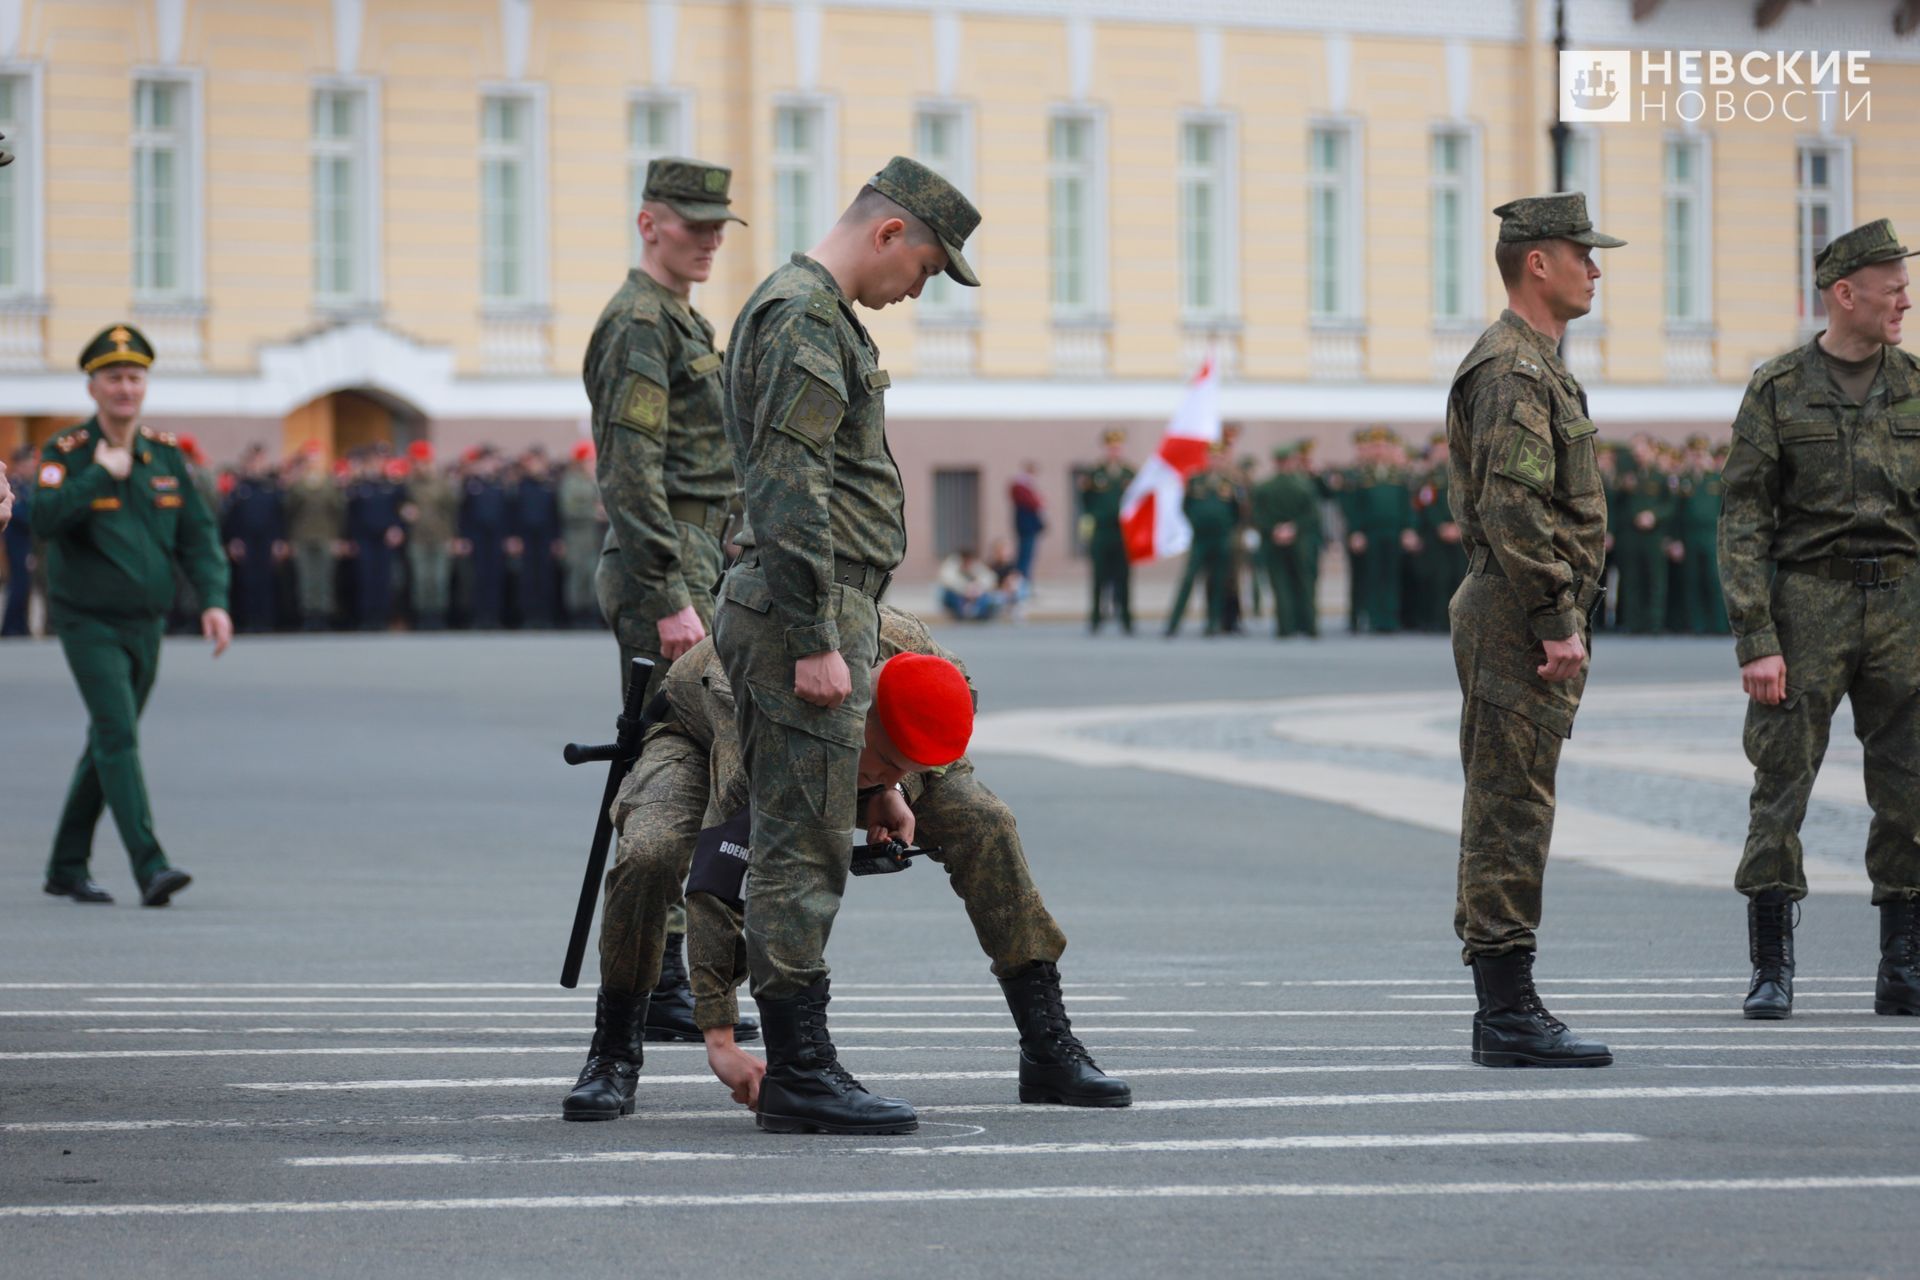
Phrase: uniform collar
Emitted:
{"points": [[1540, 342], [1821, 388], [642, 280]]}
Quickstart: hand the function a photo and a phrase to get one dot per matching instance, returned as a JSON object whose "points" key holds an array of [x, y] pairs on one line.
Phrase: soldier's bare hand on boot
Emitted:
{"points": [[1765, 680], [737, 1069]]}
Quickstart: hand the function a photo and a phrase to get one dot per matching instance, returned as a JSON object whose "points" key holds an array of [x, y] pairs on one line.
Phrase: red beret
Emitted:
{"points": [[189, 446], [420, 451], [926, 708], [583, 451]]}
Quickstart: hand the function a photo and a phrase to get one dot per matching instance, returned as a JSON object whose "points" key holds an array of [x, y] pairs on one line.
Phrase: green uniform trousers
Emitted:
{"points": [[430, 566], [803, 769], [1511, 726], [659, 813], [1838, 641], [1212, 558], [313, 570], [1289, 570], [583, 558], [1112, 579], [1378, 590], [1643, 581], [114, 661]]}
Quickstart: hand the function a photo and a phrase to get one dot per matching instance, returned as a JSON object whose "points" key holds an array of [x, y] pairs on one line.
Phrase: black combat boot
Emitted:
{"points": [[670, 1012], [1770, 947], [605, 1088], [806, 1090], [1896, 989], [1513, 1029], [1054, 1065]]}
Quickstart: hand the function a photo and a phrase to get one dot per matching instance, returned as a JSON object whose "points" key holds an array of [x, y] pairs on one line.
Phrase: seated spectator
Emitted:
{"points": [[969, 590], [1012, 584]]}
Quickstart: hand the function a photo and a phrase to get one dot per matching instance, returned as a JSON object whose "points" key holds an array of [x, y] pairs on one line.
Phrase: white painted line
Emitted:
{"points": [[895, 1199], [573, 1157], [582, 1029], [1734, 994], [277, 1122], [574, 1000]]}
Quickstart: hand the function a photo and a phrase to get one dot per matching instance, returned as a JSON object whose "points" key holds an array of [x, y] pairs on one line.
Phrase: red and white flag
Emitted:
{"points": [[1151, 515]]}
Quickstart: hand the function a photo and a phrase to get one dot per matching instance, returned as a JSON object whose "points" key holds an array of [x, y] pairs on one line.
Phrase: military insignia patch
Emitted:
{"points": [[878, 380], [52, 475], [814, 414], [644, 406], [716, 181], [67, 444], [700, 366], [166, 501], [1528, 366], [1529, 461], [165, 483], [106, 504]]}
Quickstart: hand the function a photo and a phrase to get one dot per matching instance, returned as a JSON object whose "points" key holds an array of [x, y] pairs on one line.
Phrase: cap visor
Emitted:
{"points": [[958, 267], [1594, 240], [704, 212]]}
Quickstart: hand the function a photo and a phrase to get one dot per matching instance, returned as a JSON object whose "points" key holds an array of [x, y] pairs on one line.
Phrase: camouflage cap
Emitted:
{"points": [[694, 189], [116, 344], [936, 202], [1562, 216], [1860, 247]]}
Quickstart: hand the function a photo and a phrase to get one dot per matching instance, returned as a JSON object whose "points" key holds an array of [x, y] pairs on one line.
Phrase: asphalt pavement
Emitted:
{"points": [[341, 1052]]}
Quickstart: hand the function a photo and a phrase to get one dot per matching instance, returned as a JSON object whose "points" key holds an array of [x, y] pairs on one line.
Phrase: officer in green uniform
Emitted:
{"points": [[1102, 490], [1212, 508], [1647, 498], [1443, 560], [798, 624], [116, 508], [1286, 519], [1819, 548], [1379, 510], [665, 470], [1525, 489], [661, 456], [432, 516], [580, 530], [1696, 521], [316, 509]]}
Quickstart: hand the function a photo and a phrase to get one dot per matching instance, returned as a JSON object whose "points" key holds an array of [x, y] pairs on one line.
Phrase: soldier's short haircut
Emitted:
{"points": [[1511, 257], [871, 206]]}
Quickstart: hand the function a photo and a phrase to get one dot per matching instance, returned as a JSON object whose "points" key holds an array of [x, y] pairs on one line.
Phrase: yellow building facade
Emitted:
{"points": [[351, 220]]}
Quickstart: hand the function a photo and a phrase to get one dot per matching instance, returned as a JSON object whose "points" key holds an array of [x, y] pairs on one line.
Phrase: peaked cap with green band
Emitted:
{"points": [[1860, 247], [116, 344], [694, 189], [938, 203], [1561, 216]]}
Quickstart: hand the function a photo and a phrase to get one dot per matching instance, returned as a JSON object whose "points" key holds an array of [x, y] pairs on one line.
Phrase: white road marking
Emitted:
{"points": [[1732, 994], [585, 1001], [894, 1200], [572, 1157]]}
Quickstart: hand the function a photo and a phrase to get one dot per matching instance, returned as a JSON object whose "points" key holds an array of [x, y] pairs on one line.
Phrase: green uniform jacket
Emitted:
{"points": [[437, 508], [1212, 507], [316, 508], [657, 387], [806, 415], [1101, 492], [1288, 498], [111, 544], [1811, 476]]}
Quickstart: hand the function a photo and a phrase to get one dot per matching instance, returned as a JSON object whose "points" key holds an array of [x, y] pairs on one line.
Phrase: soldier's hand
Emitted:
{"points": [[396, 536], [6, 497], [118, 462], [1284, 533], [737, 1069], [822, 679], [217, 626], [679, 632], [1644, 521], [1449, 532], [1410, 542], [6, 157], [889, 818], [1765, 680], [1676, 551], [1564, 659], [1357, 543], [236, 550]]}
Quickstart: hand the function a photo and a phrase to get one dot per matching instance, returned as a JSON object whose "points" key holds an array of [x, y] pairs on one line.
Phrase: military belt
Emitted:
{"points": [[711, 516], [1586, 595], [870, 580], [1869, 573]]}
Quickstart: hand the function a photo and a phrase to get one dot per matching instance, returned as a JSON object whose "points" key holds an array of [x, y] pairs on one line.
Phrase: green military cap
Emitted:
{"points": [[1113, 435], [1860, 247], [938, 203], [694, 189], [1697, 441], [1562, 216], [116, 344], [1282, 452]]}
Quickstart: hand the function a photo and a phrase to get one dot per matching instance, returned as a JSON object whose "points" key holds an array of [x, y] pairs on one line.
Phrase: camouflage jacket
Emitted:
{"points": [[579, 501], [656, 385], [316, 508], [436, 507], [1814, 476], [1523, 479], [806, 416]]}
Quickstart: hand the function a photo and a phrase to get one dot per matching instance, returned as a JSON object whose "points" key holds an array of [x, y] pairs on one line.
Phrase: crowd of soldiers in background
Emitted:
{"points": [[1256, 537], [381, 539]]}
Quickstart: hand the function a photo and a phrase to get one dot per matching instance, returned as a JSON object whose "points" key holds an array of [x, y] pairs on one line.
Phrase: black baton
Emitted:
{"points": [[619, 754]]}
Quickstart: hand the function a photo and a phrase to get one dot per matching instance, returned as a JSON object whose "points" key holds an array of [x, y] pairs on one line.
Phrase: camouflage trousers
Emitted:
{"points": [[1838, 641], [429, 565], [313, 569], [986, 867], [1511, 726], [633, 615], [803, 767]]}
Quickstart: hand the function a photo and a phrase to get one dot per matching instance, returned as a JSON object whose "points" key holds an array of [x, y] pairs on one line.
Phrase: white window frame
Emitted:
{"points": [[1469, 238], [1225, 175], [1699, 191], [945, 301], [189, 285], [1839, 196], [1092, 309], [364, 151], [639, 156], [533, 235], [26, 138], [1585, 178], [825, 167], [1349, 308]]}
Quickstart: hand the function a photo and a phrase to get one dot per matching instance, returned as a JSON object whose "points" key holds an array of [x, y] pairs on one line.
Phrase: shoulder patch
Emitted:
{"points": [[643, 405], [70, 441], [162, 437], [814, 413], [1528, 460], [52, 475], [645, 308]]}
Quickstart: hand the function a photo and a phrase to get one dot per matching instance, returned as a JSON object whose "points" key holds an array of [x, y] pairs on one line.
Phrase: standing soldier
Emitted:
{"points": [[1379, 513], [1819, 542], [661, 454], [580, 518], [1647, 502], [1443, 560], [1526, 492], [483, 539], [1695, 527], [1212, 508], [316, 510], [798, 623], [115, 508], [536, 540], [1287, 519], [432, 513], [1102, 490], [375, 530], [254, 527]]}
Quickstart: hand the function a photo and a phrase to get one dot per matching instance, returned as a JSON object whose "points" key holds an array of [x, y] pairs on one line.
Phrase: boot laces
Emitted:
{"points": [[816, 1048], [1531, 1004], [1907, 941], [1049, 1012], [1772, 928]]}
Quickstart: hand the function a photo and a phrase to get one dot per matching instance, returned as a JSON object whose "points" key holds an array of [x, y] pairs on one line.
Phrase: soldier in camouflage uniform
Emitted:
{"points": [[316, 513], [1102, 490], [662, 460], [797, 626], [1819, 543], [432, 515], [580, 521], [1525, 491], [690, 777]]}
